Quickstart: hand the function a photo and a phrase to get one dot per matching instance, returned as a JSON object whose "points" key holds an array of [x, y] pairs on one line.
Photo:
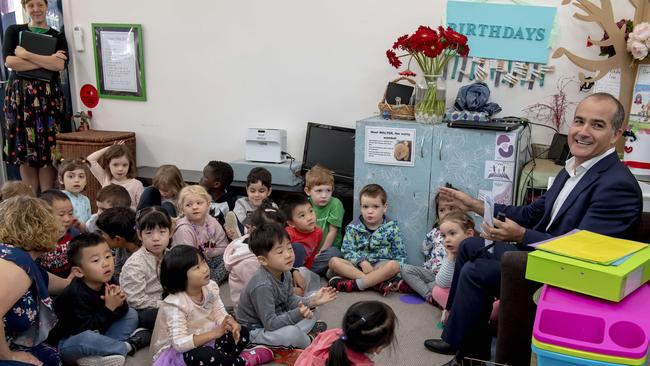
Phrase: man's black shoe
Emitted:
{"points": [[439, 346], [139, 339]]}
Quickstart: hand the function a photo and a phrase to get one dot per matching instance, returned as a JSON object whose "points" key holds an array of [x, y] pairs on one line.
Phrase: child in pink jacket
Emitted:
{"points": [[358, 338]]}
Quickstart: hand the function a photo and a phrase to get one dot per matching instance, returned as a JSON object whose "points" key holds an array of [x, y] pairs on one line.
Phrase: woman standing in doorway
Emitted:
{"points": [[33, 108]]}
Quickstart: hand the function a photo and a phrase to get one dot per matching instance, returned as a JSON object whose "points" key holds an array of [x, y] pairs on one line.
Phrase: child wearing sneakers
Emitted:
{"points": [[268, 306], [423, 278], [305, 235], [193, 327], [216, 179], [243, 264], [96, 325], [258, 188], [372, 247]]}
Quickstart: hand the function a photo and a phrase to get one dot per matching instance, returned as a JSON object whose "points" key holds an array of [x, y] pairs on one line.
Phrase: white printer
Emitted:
{"points": [[266, 144]]}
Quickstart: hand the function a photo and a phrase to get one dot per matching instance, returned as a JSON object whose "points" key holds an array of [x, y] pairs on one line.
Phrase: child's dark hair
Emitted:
{"points": [[266, 214], [221, 172], [174, 267], [374, 190], [259, 174], [64, 166], [114, 194], [292, 201], [152, 217], [52, 195], [77, 245], [437, 198], [366, 325], [436, 201], [265, 236], [118, 221], [114, 152]]}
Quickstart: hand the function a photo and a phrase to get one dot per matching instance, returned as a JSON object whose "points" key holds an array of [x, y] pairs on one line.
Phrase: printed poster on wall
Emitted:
{"points": [[504, 31], [640, 109], [390, 146], [610, 83], [502, 192], [504, 149], [499, 170]]}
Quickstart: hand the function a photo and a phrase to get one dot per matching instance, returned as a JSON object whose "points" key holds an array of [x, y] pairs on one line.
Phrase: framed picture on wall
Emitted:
{"points": [[119, 61]]}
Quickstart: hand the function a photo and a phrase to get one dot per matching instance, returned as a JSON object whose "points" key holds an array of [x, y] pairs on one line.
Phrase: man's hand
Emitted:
{"points": [[508, 231], [323, 296], [366, 267], [460, 200], [305, 311]]}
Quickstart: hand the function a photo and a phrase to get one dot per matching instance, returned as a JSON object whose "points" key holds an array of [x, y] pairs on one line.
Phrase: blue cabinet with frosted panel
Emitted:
{"points": [[441, 155], [465, 156]]}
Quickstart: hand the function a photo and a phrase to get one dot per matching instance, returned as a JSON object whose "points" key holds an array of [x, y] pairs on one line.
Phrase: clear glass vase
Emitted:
{"points": [[430, 98]]}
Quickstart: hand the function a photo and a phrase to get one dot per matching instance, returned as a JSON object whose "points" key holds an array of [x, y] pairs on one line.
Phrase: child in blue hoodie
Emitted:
{"points": [[372, 247]]}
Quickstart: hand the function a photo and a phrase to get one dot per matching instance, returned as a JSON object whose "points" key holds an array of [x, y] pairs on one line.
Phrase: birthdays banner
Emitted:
{"points": [[504, 31]]}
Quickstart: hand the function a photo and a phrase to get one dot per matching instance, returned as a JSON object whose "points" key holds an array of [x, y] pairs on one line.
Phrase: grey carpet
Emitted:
{"points": [[415, 323]]}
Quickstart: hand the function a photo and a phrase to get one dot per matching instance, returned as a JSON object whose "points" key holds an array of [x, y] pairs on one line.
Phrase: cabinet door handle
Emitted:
{"points": [[422, 149], [440, 150]]}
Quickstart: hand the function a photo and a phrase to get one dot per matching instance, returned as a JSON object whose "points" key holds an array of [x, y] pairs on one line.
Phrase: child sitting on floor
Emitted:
{"points": [[216, 179], [115, 164], [95, 324], [319, 186], [199, 229], [167, 182], [372, 247], [422, 278], [72, 180], [56, 261], [193, 327], [117, 226], [258, 188], [268, 306], [243, 264], [139, 277], [368, 328], [108, 197]]}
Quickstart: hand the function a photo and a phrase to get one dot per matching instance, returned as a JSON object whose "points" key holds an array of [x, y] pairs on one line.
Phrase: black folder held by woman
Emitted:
{"points": [[41, 44]]}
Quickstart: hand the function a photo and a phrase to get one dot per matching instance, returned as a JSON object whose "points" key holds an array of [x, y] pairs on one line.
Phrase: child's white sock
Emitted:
{"points": [[129, 347], [360, 284]]}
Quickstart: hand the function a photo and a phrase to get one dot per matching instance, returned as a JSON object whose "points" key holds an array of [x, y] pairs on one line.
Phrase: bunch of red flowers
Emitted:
{"points": [[430, 48]]}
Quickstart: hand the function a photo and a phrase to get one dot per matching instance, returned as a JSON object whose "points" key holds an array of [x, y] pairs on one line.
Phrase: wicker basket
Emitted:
{"points": [[75, 145], [402, 111]]}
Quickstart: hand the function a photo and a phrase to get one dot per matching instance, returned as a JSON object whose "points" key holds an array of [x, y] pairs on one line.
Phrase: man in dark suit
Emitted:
{"points": [[594, 192]]}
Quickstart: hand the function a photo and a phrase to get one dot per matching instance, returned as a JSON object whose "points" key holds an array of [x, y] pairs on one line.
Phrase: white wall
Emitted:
{"points": [[215, 67]]}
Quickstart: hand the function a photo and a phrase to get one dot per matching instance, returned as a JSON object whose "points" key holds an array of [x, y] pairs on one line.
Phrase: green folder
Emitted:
{"points": [[602, 281]]}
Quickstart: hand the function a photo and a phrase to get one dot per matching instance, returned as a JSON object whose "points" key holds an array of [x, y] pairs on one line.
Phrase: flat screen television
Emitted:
{"points": [[332, 147]]}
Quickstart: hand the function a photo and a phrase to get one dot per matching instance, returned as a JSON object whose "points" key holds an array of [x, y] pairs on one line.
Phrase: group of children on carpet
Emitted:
{"points": [[152, 277]]}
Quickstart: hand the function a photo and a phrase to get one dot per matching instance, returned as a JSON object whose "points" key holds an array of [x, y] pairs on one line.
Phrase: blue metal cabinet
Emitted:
{"points": [[441, 155]]}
